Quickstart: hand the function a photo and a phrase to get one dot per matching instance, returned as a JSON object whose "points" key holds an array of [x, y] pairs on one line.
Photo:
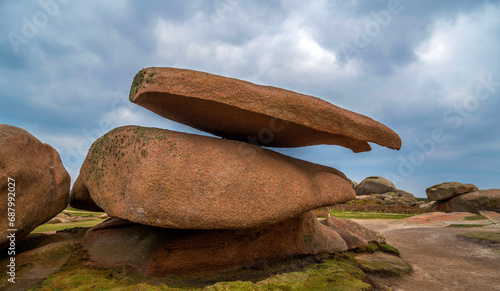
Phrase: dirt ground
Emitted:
{"points": [[441, 260]]}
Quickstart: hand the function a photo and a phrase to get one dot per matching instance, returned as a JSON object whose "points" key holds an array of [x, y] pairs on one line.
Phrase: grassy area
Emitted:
{"points": [[489, 237], [476, 217], [82, 213], [368, 215], [61, 226]]}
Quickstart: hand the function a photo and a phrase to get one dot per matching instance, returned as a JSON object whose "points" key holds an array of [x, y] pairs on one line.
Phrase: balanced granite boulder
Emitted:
{"points": [[158, 251], [34, 185], [480, 200], [263, 115], [170, 179], [79, 197], [447, 190]]}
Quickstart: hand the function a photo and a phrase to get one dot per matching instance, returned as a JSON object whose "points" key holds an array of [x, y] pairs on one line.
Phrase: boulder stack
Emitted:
{"points": [[458, 197], [375, 189], [185, 203], [448, 190], [34, 185]]}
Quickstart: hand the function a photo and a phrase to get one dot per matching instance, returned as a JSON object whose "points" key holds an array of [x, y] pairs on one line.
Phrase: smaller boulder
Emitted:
{"points": [[374, 185], [405, 194], [354, 184], [79, 197], [447, 190], [427, 206]]}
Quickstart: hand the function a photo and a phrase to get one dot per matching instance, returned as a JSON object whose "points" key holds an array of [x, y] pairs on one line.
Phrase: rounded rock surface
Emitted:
{"points": [[448, 190], [177, 180], [34, 172], [375, 185]]}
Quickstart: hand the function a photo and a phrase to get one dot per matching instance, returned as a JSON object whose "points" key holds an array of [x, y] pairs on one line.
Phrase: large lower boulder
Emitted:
{"points": [[263, 115], [34, 185], [159, 251], [177, 180], [374, 185], [488, 200], [447, 190]]}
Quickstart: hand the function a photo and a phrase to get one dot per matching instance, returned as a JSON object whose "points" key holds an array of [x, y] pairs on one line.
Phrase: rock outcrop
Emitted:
{"points": [[263, 115], [458, 197], [476, 201], [34, 183], [171, 179], [159, 251], [374, 185], [447, 190], [379, 190]]}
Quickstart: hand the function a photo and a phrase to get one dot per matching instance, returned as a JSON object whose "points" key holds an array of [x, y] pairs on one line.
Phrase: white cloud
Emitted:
{"points": [[460, 51]]}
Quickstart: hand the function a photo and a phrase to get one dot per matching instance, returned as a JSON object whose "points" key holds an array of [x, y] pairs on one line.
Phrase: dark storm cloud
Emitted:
{"points": [[68, 83]]}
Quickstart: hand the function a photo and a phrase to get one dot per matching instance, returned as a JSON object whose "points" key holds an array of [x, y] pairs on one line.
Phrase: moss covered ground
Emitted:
{"points": [[340, 271]]}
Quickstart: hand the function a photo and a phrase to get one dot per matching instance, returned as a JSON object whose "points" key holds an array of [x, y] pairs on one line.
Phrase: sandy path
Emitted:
{"points": [[440, 259]]}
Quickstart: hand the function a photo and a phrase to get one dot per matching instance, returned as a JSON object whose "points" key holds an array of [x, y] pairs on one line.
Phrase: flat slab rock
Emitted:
{"points": [[41, 183], [263, 115], [445, 219], [177, 180], [157, 251]]}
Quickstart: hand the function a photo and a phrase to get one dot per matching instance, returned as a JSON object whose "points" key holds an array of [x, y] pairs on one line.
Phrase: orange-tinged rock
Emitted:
{"points": [[160, 251], [178, 180], [263, 115], [33, 172]]}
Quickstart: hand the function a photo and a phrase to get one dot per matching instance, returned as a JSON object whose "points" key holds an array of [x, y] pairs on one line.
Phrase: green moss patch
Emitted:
{"points": [[62, 226], [340, 271], [136, 84], [374, 246], [368, 215], [475, 217]]}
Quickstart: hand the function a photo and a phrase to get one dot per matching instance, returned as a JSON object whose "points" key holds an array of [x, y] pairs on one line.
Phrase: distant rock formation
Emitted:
{"points": [[448, 190], [34, 185], [379, 190], [458, 197]]}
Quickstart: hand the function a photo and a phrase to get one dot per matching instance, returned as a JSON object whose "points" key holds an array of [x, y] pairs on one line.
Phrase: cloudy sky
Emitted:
{"points": [[430, 70]]}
